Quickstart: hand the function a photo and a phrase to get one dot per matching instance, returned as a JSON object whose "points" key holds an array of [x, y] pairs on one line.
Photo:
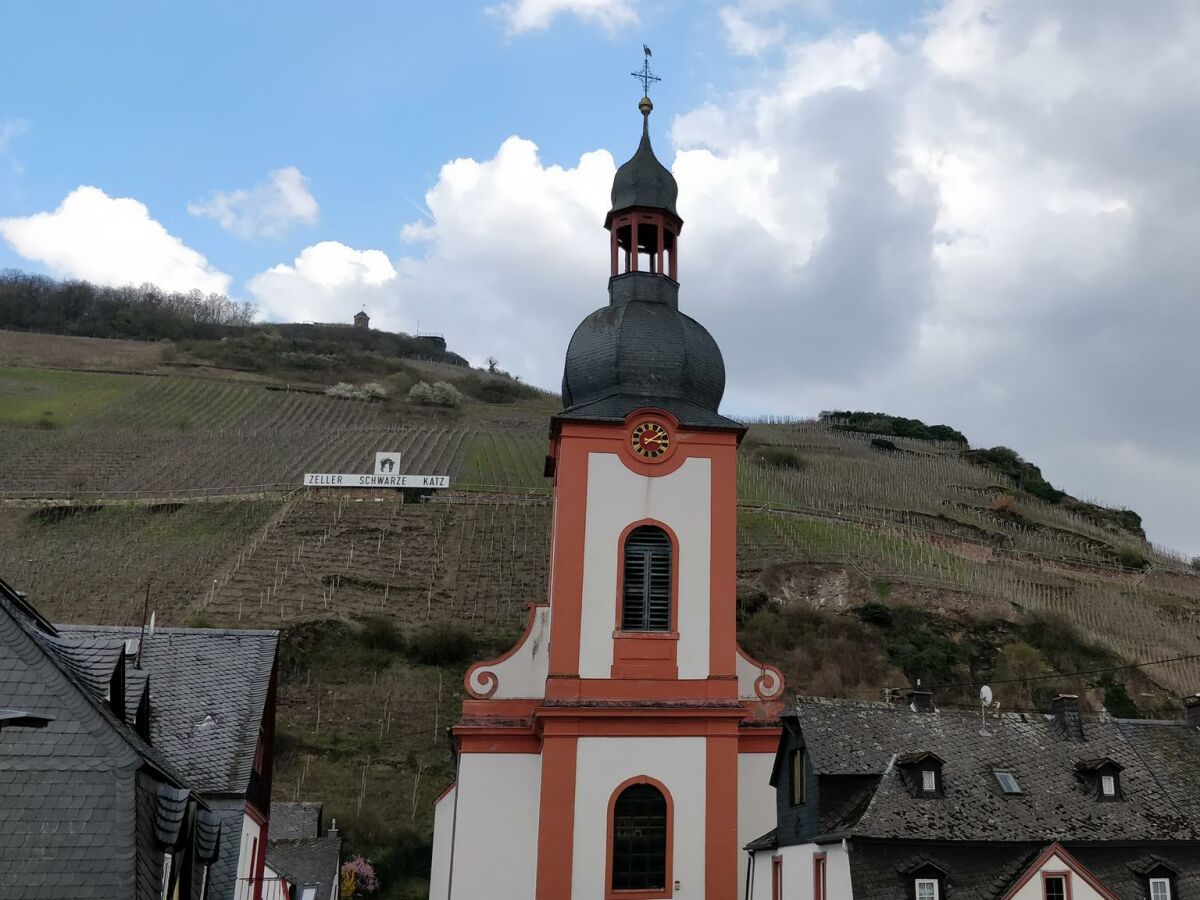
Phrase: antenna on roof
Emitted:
{"points": [[985, 698]]}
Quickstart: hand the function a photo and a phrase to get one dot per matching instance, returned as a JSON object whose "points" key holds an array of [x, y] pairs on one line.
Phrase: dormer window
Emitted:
{"points": [[1102, 778], [927, 881], [1160, 889], [927, 889], [922, 773]]}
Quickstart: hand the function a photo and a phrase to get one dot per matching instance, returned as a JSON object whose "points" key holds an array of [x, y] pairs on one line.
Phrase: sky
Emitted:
{"points": [[980, 213]]}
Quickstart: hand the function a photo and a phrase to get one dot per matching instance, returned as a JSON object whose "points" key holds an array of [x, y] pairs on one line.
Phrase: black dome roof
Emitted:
{"points": [[642, 351], [643, 180]]}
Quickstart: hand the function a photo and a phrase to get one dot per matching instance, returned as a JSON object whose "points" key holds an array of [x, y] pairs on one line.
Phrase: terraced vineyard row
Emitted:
{"points": [[94, 563], [466, 558], [160, 463]]}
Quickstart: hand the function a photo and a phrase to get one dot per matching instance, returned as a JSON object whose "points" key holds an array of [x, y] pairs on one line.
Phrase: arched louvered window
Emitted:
{"points": [[639, 839], [646, 592]]}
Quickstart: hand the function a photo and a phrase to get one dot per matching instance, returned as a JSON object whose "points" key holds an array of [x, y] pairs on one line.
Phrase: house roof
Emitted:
{"points": [[72, 774], [844, 738], [884, 870], [208, 688], [299, 851], [295, 821]]}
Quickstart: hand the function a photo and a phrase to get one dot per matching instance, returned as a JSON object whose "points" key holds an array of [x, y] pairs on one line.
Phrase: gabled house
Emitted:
{"points": [[880, 801], [133, 765], [303, 857], [88, 807]]}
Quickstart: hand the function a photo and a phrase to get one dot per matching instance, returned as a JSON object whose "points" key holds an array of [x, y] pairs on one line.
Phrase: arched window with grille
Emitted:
{"points": [[646, 587], [640, 838]]}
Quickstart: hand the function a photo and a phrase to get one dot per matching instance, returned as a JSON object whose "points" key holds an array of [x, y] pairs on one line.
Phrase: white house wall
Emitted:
{"points": [[495, 841], [616, 498], [443, 825], [604, 764], [798, 872], [248, 847], [756, 803], [1079, 890]]}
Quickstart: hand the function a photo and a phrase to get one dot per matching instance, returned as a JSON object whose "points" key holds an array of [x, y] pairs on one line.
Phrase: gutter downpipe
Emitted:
{"points": [[453, 828], [749, 875]]}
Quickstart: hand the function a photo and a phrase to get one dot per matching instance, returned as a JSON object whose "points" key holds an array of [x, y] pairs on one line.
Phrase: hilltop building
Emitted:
{"points": [[132, 765], [883, 801], [362, 321], [623, 748]]}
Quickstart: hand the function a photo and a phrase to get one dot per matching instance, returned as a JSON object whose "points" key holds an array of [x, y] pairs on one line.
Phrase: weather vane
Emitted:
{"points": [[645, 76]]}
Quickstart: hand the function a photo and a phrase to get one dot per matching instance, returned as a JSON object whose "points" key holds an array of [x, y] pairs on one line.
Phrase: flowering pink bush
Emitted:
{"points": [[358, 879]]}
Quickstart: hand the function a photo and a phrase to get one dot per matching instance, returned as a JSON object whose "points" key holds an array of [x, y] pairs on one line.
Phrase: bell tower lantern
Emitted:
{"points": [[643, 223]]}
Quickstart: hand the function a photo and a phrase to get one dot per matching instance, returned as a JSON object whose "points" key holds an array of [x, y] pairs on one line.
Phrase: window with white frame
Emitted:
{"points": [[927, 889], [1108, 785], [1160, 889], [928, 780], [1054, 887]]}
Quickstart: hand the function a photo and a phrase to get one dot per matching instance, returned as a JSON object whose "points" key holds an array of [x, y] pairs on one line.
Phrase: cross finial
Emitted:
{"points": [[645, 76]]}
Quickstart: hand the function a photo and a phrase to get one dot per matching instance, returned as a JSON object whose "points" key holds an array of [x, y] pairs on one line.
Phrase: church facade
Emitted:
{"points": [[623, 748]]}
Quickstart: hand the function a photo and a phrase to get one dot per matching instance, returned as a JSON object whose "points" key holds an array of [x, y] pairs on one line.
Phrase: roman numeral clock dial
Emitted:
{"points": [[650, 440]]}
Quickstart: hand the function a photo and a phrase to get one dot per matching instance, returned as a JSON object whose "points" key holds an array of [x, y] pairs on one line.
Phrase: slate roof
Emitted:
{"points": [[298, 850], [75, 781], [640, 350], [308, 863], [1158, 781], [295, 821], [643, 180], [882, 871], [208, 687]]}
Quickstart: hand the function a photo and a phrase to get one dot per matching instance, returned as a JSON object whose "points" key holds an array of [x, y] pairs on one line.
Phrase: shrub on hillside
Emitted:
{"points": [[1027, 476], [372, 390], [896, 426], [819, 652], [780, 458], [381, 633], [440, 393], [1132, 558], [874, 613], [498, 390], [442, 645], [1118, 702]]}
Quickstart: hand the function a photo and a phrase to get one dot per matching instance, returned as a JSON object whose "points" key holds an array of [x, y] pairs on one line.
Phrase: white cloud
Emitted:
{"points": [[328, 282], [265, 210], [536, 15], [110, 240], [745, 37]]}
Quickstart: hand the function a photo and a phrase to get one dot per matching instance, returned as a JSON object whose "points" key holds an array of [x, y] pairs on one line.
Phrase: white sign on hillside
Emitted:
{"points": [[385, 475]]}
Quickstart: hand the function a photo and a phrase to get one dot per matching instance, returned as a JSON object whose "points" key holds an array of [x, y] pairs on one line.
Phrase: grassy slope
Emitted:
{"points": [[967, 592]]}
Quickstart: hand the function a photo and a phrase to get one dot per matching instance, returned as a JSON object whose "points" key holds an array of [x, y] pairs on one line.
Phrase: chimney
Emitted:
{"points": [[1066, 717], [921, 701], [1191, 706]]}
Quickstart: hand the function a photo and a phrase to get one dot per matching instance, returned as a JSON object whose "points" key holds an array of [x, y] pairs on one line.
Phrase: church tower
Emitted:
{"points": [[623, 748]]}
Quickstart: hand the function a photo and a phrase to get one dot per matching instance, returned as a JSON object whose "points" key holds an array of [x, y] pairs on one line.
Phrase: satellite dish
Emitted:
{"points": [[985, 695]]}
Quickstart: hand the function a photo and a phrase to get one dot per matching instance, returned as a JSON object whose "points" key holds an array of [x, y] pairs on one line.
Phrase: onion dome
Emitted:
{"points": [[643, 180], [640, 350]]}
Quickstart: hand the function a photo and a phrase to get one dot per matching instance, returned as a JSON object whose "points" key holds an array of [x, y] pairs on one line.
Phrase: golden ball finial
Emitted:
{"points": [[645, 106]]}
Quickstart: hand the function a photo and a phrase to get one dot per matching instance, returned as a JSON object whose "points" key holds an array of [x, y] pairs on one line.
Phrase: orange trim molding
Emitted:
{"points": [[610, 893]]}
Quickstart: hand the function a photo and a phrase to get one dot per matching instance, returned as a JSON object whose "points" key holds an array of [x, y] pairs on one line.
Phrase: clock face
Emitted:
{"points": [[650, 440]]}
